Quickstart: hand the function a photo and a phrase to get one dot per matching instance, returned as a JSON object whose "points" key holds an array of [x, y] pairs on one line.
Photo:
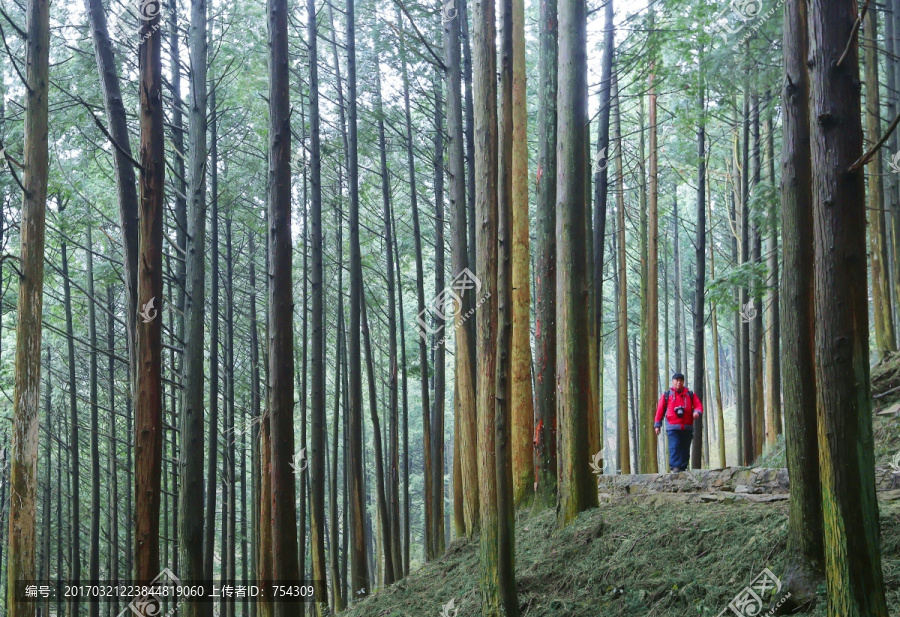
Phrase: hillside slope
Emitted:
{"points": [[654, 557]]}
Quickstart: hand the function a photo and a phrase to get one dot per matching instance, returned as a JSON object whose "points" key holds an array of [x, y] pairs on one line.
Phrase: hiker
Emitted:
{"points": [[681, 407]]}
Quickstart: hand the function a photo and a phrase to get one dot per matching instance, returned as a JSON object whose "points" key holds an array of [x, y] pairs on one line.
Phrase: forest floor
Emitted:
{"points": [[654, 553]]}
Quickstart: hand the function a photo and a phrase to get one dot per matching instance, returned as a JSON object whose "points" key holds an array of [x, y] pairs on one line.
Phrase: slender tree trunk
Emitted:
{"points": [[318, 437], [485, 101], [521, 403], [439, 350], [470, 138], [805, 537], [112, 448], [773, 314], [505, 378], [285, 566], [622, 360], [545, 277], [421, 312], [885, 339], [700, 284], [359, 571], [576, 490], [746, 301], [45, 509], [122, 162], [74, 450], [94, 557], [191, 453], [855, 583], [601, 202], [381, 501], [148, 400], [213, 443], [650, 350], [465, 421], [717, 364]]}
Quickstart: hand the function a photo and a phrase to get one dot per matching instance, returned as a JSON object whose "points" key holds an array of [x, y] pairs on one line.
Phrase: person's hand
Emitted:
{"points": [[657, 430], [696, 415]]}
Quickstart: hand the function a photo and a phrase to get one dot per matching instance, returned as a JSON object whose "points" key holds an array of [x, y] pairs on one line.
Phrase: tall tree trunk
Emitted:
{"points": [[381, 501], [192, 411], [805, 536], [318, 437], [717, 364], [746, 301], [45, 513], [112, 447], [421, 312], [260, 433], [393, 403], [521, 403], [465, 421], [406, 520], [576, 490], [773, 314], [885, 339], [439, 350], [74, 450], [123, 165], [855, 583], [485, 101], [148, 399], [94, 557], [700, 284], [285, 566], [622, 361], [650, 348], [757, 394], [359, 569], [505, 379], [601, 201], [545, 277], [470, 138], [213, 444]]}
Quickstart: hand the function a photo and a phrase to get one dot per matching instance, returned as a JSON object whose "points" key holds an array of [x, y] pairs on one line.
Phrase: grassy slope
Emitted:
{"points": [[645, 559]]}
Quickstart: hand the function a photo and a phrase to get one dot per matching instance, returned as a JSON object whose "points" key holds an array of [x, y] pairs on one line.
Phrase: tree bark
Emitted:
{"points": [[805, 537], [285, 566], [700, 284], [318, 437], [122, 164], [885, 339], [74, 450], [148, 388], [505, 378], [622, 360], [465, 420], [855, 583], [191, 516], [521, 401], [359, 570], [545, 277], [576, 487]]}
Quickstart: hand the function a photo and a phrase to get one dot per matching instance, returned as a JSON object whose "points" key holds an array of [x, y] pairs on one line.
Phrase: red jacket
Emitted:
{"points": [[678, 399]]}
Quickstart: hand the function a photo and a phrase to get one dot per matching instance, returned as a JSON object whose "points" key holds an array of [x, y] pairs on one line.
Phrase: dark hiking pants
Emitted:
{"points": [[679, 447]]}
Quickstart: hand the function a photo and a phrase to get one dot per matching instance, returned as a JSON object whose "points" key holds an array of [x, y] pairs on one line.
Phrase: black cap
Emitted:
{"points": [[678, 376]]}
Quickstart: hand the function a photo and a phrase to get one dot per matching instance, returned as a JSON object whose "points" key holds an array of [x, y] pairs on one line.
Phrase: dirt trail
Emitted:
{"points": [[731, 484]]}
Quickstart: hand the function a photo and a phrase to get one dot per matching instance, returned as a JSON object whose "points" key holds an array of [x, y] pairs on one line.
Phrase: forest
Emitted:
{"points": [[373, 308]]}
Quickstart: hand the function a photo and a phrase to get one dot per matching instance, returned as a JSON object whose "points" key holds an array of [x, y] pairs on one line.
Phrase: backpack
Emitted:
{"points": [[690, 395]]}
